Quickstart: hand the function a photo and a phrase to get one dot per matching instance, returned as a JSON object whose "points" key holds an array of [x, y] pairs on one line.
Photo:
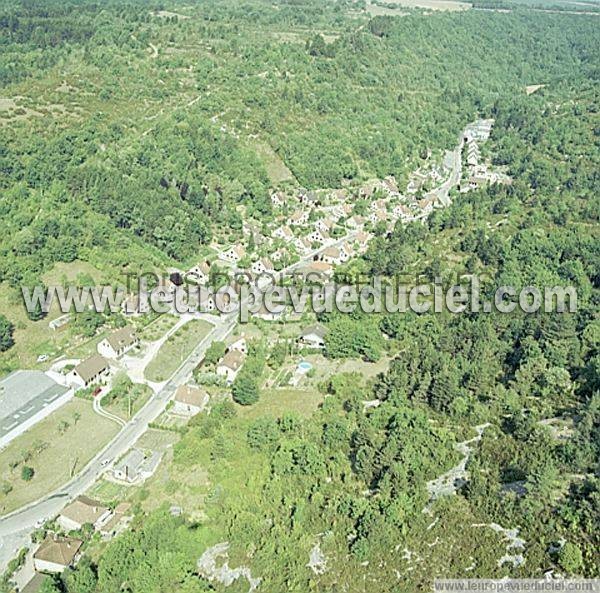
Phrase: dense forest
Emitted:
{"points": [[148, 176], [355, 480], [177, 135]]}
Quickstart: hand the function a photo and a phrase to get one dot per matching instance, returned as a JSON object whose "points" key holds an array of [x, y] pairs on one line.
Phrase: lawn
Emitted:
{"points": [[77, 273], [175, 485], [176, 349], [276, 402], [108, 492], [55, 455]]}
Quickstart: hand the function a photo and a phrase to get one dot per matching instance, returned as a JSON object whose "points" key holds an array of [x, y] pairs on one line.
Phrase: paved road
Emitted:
{"points": [[16, 528], [443, 190]]}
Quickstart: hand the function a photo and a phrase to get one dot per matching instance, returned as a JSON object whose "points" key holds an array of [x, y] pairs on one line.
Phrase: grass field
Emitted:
{"points": [[276, 168], [79, 273], [54, 455], [158, 328], [120, 407], [276, 402], [31, 338], [176, 349]]}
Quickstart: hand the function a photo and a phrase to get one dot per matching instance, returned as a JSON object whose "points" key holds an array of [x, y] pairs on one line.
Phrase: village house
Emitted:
{"points": [[165, 290], [334, 255], [308, 198], [401, 212], [234, 254], [303, 245], [240, 345], [278, 255], [276, 314], [472, 158], [347, 248], [391, 185], [118, 343], [378, 205], [230, 365], [284, 233], [94, 369], [337, 195], [136, 466], [199, 274], [318, 237], [416, 182], [299, 218], [82, 511], [369, 188], [435, 175], [262, 266], [362, 241], [356, 222], [426, 205], [378, 216], [340, 211], [479, 130], [253, 232], [189, 400], [56, 553], [206, 303], [316, 270], [325, 225], [119, 519], [313, 336], [277, 199], [478, 180], [60, 323]]}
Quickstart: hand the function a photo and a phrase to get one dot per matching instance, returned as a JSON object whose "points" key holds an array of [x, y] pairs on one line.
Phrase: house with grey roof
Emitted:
{"points": [[94, 369], [313, 336], [118, 343], [136, 466]]}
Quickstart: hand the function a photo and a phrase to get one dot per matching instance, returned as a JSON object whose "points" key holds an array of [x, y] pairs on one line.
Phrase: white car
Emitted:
{"points": [[42, 358], [105, 462]]}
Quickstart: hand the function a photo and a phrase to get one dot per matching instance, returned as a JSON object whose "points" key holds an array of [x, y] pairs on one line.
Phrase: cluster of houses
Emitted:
{"points": [[478, 173], [325, 228], [96, 369], [58, 552]]}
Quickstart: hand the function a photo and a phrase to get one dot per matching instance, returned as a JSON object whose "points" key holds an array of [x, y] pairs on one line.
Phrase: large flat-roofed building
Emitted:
{"points": [[25, 398]]}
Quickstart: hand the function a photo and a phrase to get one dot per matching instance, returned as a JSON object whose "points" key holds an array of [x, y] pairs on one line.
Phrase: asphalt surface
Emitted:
{"points": [[16, 528]]}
